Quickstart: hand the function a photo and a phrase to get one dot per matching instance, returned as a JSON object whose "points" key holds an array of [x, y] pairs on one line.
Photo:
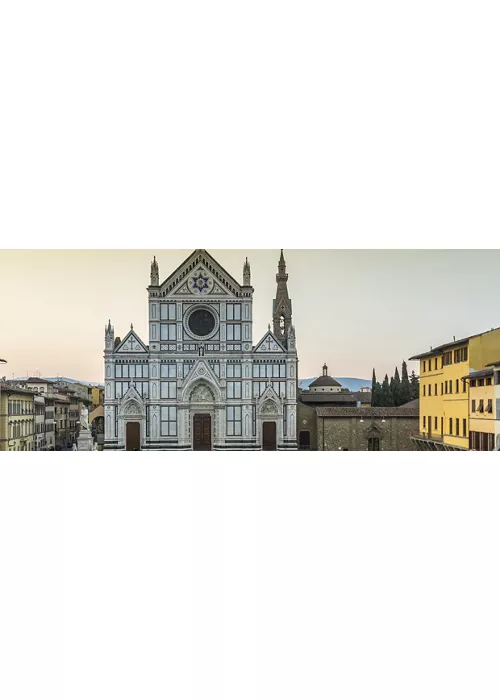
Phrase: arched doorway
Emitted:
{"points": [[269, 435], [202, 432], [133, 436]]}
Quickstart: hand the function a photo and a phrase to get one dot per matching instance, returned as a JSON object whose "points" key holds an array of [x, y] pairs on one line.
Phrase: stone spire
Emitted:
{"points": [[109, 336], [246, 274], [155, 273], [282, 305]]}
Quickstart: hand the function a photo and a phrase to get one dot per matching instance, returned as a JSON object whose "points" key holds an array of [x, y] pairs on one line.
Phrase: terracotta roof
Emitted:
{"points": [[11, 389], [328, 397], [441, 348], [374, 412], [479, 373], [411, 404], [324, 381], [335, 396]]}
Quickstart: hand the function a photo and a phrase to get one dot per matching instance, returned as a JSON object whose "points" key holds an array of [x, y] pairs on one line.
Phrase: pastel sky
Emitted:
{"points": [[354, 309]]}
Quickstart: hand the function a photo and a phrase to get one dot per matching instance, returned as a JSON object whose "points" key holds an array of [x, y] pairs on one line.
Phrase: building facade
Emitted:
{"points": [[358, 429], [17, 419], [444, 389], [200, 383], [484, 411]]}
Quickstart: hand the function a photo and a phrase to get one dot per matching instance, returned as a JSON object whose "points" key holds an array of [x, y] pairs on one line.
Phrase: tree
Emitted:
{"points": [[414, 386], [386, 398], [375, 390], [396, 389], [405, 389]]}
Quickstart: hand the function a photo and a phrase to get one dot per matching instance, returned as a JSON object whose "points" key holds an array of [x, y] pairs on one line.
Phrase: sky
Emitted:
{"points": [[353, 309]]}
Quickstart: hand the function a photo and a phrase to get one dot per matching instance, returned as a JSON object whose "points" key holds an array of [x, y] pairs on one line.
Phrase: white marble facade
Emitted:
{"points": [[200, 382]]}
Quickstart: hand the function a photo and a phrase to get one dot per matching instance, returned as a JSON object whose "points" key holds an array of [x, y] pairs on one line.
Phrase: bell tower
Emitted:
{"points": [[282, 305]]}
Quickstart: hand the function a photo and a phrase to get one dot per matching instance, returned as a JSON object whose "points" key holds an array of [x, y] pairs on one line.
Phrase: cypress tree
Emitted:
{"points": [[375, 395], [397, 388], [414, 386], [386, 398], [405, 389]]}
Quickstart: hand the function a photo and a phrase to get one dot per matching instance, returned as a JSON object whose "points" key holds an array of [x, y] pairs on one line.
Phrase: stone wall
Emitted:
{"points": [[352, 433], [307, 421]]}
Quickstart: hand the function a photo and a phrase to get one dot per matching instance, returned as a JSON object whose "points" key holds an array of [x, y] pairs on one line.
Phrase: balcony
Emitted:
{"points": [[427, 440]]}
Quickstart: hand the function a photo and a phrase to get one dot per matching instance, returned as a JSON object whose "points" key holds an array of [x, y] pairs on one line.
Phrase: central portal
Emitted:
{"points": [[269, 435], [202, 431]]}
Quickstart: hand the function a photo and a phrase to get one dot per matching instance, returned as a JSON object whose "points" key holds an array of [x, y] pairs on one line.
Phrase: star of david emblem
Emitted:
{"points": [[201, 282]]}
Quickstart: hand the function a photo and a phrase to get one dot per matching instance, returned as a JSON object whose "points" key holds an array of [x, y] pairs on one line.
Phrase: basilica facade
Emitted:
{"points": [[200, 383]]}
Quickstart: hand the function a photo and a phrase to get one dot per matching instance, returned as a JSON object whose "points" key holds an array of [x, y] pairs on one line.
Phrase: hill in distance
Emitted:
{"points": [[351, 383], [63, 379]]}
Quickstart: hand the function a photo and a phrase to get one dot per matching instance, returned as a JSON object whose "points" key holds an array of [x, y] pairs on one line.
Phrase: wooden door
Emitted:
{"points": [[269, 435], [304, 440], [202, 432], [133, 433]]}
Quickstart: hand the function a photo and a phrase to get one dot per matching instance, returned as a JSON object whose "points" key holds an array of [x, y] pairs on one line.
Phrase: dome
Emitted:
{"points": [[325, 381]]}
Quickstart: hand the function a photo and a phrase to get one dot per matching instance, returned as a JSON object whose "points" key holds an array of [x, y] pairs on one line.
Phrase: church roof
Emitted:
{"points": [[374, 412], [325, 381]]}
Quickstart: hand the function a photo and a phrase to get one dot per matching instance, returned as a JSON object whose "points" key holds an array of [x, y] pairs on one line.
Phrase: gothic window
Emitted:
{"points": [[169, 421], [168, 331], [233, 420], [233, 370], [234, 390], [168, 371], [233, 331], [168, 390], [282, 323], [168, 312], [233, 312], [373, 444]]}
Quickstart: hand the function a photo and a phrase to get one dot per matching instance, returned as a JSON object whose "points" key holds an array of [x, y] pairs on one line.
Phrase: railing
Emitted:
{"points": [[426, 435]]}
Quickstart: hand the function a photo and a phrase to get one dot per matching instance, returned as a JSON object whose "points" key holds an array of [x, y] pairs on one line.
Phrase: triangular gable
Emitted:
{"points": [[269, 402], [132, 395], [269, 343], [194, 271], [132, 403], [131, 344], [218, 291], [201, 370]]}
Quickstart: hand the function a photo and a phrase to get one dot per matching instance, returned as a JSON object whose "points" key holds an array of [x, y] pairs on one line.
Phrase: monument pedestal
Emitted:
{"points": [[85, 441]]}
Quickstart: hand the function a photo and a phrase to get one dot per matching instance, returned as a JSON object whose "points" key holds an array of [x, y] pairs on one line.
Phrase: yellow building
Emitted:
{"points": [[484, 413], [97, 396], [444, 389], [17, 419]]}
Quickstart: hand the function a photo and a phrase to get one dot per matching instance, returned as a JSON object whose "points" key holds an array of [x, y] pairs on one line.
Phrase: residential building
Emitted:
{"points": [[62, 434], [39, 402], [17, 418], [50, 422], [96, 396], [496, 400], [200, 383], [484, 414], [444, 390]]}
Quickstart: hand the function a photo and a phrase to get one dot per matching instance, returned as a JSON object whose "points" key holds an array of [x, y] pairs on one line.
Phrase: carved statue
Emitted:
{"points": [[84, 419]]}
